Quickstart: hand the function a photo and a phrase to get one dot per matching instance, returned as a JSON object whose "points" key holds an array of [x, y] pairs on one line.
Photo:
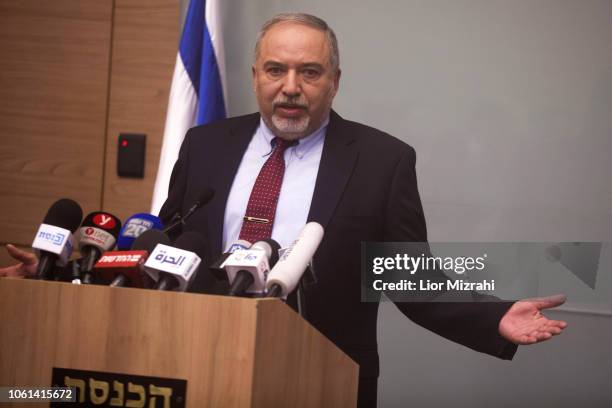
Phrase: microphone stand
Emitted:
{"points": [[301, 300], [177, 219]]}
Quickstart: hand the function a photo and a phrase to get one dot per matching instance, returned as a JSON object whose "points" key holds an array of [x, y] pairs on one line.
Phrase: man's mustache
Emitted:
{"points": [[290, 105]]}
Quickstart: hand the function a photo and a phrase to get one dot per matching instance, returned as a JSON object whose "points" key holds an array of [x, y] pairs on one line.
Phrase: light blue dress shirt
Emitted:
{"points": [[301, 169]]}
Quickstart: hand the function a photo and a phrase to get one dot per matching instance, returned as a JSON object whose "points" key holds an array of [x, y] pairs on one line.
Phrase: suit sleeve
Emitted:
{"points": [[471, 323], [177, 187]]}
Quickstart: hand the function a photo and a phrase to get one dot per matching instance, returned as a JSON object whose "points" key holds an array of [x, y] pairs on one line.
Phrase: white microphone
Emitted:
{"points": [[217, 267], [286, 274], [54, 240], [175, 267], [247, 269], [240, 244]]}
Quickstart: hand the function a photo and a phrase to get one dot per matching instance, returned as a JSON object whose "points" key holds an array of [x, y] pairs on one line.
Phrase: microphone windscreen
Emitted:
{"points": [[275, 247], [64, 213], [291, 266], [148, 240], [104, 221], [135, 226]]}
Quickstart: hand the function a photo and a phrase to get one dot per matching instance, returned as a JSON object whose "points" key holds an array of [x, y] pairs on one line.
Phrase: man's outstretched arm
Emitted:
{"points": [[485, 325], [26, 266]]}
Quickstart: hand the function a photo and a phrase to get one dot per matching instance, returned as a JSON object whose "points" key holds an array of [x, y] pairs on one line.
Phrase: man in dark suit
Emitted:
{"points": [[365, 190], [356, 181]]}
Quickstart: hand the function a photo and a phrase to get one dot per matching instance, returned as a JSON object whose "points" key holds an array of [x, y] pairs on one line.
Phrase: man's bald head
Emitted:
{"points": [[310, 21]]}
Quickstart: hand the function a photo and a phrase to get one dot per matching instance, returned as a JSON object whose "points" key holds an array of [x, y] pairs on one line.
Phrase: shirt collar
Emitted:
{"points": [[304, 145]]}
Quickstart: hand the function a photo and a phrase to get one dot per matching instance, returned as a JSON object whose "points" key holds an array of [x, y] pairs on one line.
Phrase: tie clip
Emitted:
{"points": [[255, 219]]}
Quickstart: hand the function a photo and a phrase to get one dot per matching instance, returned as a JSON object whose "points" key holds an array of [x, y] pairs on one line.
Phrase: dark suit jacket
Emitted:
{"points": [[366, 190]]}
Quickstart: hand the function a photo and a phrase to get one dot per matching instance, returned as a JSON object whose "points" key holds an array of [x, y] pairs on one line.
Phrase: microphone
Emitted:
{"points": [[53, 241], [286, 274], [134, 227], [204, 197], [217, 267], [98, 233], [174, 267], [240, 244], [126, 268], [248, 269]]}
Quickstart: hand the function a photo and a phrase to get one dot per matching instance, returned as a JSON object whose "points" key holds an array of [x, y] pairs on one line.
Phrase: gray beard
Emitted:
{"points": [[290, 129]]}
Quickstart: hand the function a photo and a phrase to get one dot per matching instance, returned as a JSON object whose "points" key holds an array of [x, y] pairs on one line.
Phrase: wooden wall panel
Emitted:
{"points": [[54, 62], [145, 42]]}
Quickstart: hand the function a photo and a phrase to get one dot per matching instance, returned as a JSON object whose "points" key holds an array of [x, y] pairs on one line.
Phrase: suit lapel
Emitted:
{"points": [[337, 163], [226, 159]]}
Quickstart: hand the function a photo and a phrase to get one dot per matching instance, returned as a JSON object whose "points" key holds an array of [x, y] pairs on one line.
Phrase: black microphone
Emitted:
{"points": [[53, 240], [177, 219], [178, 264], [126, 268], [248, 269], [274, 254], [98, 233], [217, 269]]}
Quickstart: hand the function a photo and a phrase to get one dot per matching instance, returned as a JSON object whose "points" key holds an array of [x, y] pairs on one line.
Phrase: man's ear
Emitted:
{"points": [[253, 75], [337, 79]]}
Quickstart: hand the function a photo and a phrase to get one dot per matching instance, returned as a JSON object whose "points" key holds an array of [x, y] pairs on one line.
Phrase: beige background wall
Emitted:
{"points": [[74, 74], [55, 59], [145, 42]]}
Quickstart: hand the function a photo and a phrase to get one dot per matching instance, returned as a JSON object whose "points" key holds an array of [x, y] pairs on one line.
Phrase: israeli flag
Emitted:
{"points": [[197, 94]]}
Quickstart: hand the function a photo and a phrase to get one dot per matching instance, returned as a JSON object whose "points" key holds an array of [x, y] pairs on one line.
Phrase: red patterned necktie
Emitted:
{"points": [[261, 209]]}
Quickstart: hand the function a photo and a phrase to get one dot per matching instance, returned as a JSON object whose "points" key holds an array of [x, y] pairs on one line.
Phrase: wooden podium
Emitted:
{"points": [[232, 352]]}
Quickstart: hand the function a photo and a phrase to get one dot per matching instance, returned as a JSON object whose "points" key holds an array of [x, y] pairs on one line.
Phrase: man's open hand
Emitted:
{"points": [[26, 266], [523, 323]]}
